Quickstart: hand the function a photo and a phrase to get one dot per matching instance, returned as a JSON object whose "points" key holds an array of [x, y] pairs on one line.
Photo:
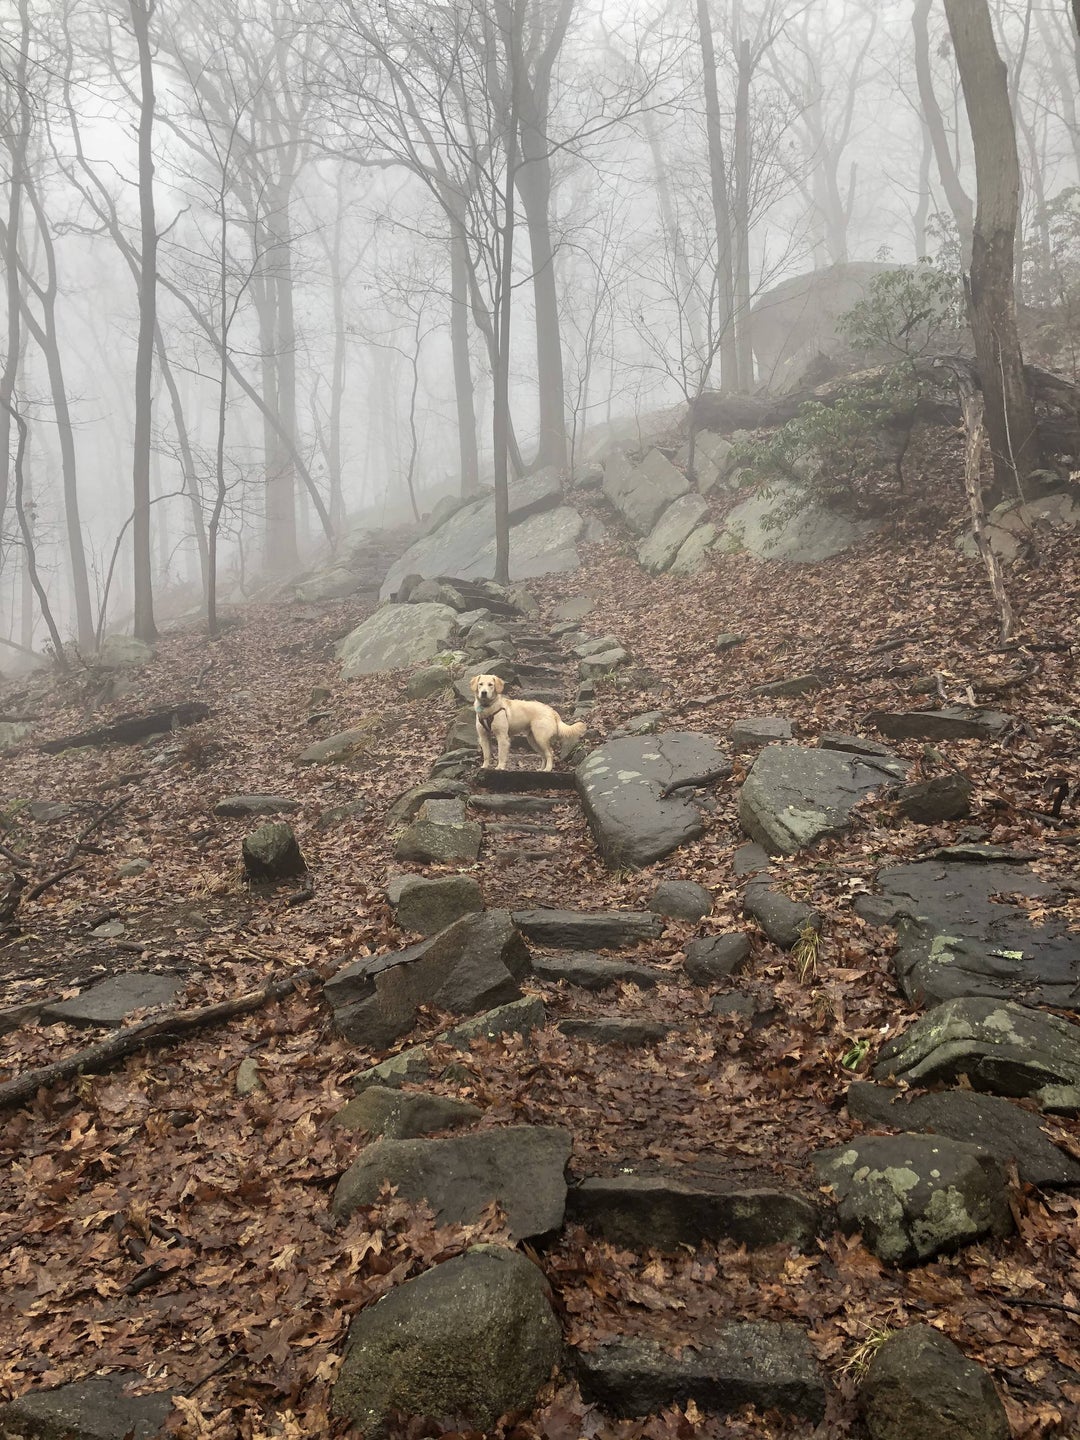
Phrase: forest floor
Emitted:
{"points": [[152, 1219]]}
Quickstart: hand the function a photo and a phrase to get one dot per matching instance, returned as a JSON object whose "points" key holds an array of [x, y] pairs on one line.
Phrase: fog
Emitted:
{"points": [[345, 323]]}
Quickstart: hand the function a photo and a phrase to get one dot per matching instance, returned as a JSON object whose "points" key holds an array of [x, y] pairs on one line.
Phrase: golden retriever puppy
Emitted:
{"points": [[499, 716]]}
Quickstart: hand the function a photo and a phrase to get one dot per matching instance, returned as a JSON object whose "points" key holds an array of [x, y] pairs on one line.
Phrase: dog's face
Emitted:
{"points": [[486, 688]]}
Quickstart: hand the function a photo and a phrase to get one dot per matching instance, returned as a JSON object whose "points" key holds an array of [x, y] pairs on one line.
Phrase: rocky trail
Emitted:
{"points": [[731, 1071]]}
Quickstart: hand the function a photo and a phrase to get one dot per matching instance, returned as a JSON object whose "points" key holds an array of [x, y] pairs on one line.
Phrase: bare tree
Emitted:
{"points": [[1010, 414], [957, 197]]}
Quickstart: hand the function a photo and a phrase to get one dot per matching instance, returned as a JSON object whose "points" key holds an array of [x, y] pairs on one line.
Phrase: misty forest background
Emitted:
{"points": [[274, 270]]}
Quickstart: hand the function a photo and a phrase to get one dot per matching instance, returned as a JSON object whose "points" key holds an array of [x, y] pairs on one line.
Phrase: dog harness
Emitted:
{"points": [[485, 717]]}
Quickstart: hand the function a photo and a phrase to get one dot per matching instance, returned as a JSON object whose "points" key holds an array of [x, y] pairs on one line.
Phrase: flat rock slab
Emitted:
{"points": [[338, 749], [758, 1363], [472, 1338], [615, 1030], [471, 966], [953, 722], [621, 784], [573, 609], [396, 636], [407, 806], [957, 941], [916, 1196], [1002, 1048], [240, 805], [1008, 1132], [93, 1409], [668, 1211], [945, 797], [403, 1115], [795, 796], [594, 972], [919, 1384], [582, 929], [760, 730], [793, 685], [521, 1167], [111, 1002], [853, 744]]}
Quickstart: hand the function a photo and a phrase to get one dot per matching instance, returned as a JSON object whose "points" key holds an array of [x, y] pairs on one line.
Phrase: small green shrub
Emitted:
{"points": [[917, 310]]}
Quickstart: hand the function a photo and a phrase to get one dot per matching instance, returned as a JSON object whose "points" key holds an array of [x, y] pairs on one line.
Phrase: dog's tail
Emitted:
{"points": [[571, 732]]}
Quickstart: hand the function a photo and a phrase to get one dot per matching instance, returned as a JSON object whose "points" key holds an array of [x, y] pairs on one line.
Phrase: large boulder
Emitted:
{"points": [[915, 1196], [333, 584], [799, 318], [1009, 526], [641, 493], [795, 796], [467, 1341], [957, 940], [13, 732], [520, 1167], [694, 549], [1003, 1048], [919, 1386], [272, 853], [394, 637], [467, 968], [541, 543], [785, 525], [621, 787], [657, 552], [123, 652]]}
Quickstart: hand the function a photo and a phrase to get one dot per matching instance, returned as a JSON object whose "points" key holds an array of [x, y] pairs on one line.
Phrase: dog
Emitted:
{"points": [[499, 716]]}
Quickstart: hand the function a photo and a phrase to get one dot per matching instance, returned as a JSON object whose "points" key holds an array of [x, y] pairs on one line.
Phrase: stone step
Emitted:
{"points": [[765, 1363], [594, 972], [545, 697], [584, 930], [517, 804], [616, 1030], [496, 828], [504, 782], [667, 1211]]}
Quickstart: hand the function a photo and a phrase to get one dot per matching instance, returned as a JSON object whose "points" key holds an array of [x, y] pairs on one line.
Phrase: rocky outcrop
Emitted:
{"points": [[396, 636], [641, 493], [786, 525]]}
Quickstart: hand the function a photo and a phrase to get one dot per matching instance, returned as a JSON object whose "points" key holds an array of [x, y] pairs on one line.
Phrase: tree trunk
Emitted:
{"points": [[958, 199], [743, 337], [1010, 414], [47, 337], [285, 556], [145, 629], [534, 187], [464, 393], [187, 460], [729, 355], [18, 140]]}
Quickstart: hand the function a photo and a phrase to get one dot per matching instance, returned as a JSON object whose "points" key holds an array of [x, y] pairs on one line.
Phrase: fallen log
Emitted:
{"points": [[130, 728], [148, 1034]]}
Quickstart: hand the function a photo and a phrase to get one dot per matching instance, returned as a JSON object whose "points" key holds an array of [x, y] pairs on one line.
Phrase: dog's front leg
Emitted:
{"points": [[502, 739], [485, 747]]}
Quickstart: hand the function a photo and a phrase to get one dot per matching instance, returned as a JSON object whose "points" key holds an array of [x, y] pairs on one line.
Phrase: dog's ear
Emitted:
{"points": [[499, 686], [473, 683]]}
